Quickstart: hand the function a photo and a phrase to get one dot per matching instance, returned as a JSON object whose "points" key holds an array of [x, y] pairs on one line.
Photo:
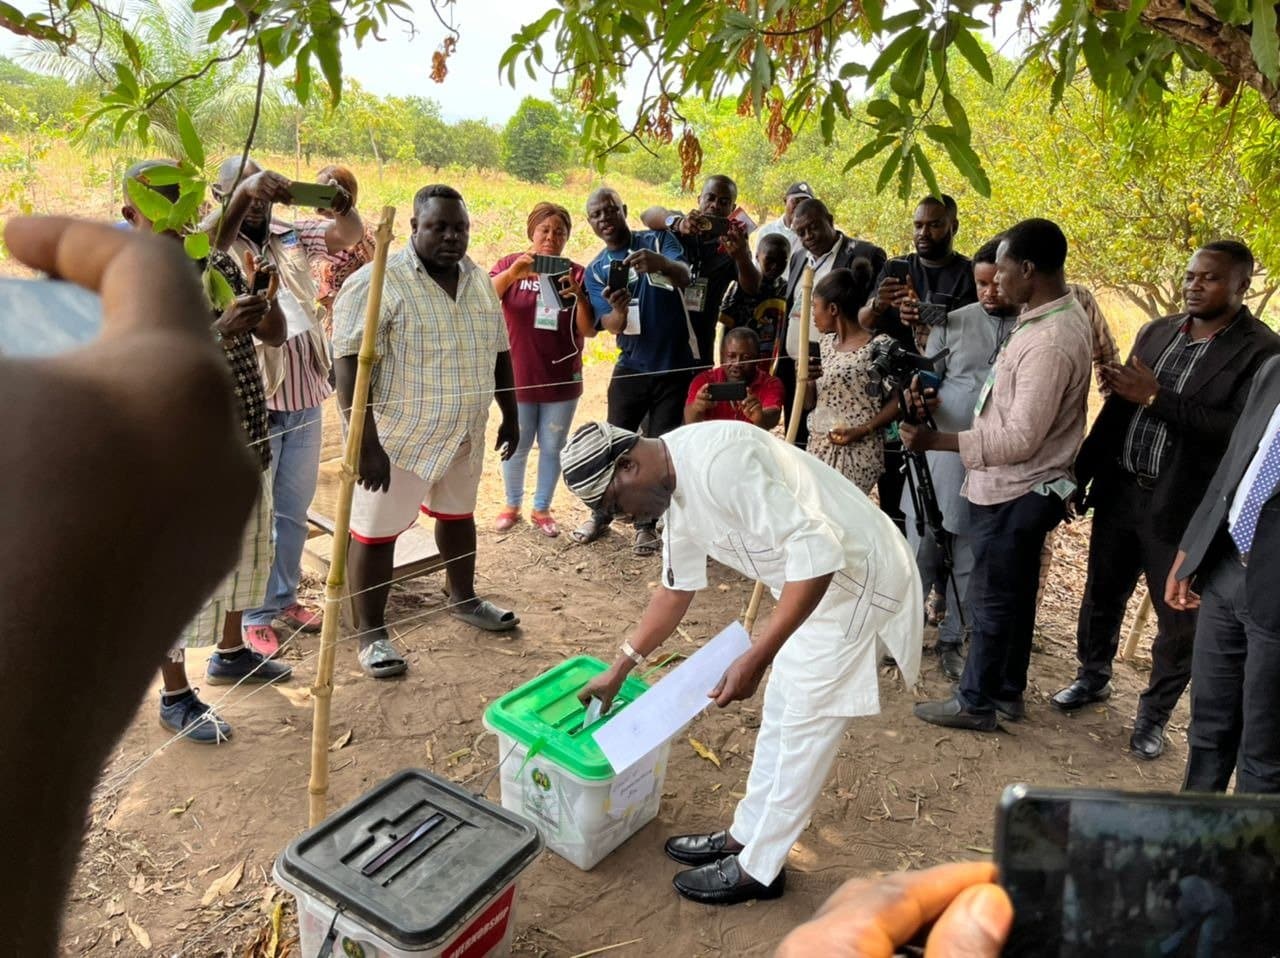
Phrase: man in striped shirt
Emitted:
{"points": [[295, 375]]}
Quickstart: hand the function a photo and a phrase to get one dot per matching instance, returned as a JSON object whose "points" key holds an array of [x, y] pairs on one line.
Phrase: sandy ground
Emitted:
{"points": [[166, 826]]}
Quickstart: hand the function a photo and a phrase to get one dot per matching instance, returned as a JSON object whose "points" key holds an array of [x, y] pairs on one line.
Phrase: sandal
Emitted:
{"points": [[507, 518], [263, 639], [487, 616], [647, 542], [590, 531], [381, 660], [546, 523]]}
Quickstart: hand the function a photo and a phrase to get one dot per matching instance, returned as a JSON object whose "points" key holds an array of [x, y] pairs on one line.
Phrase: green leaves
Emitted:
{"points": [[971, 50], [191, 144], [150, 203], [1264, 41], [197, 245]]}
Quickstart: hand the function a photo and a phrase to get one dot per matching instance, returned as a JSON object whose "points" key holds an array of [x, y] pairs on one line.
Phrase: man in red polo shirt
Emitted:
{"points": [[762, 405]]}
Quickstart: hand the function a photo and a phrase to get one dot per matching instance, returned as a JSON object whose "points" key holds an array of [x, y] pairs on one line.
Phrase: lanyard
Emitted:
{"points": [[991, 373]]}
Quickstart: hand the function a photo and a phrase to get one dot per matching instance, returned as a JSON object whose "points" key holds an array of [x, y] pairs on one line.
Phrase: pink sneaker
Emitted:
{"points": [[262, 639], [299, 617]]}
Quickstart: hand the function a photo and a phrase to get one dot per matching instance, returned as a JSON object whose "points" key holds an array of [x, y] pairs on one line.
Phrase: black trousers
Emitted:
{"points": [[1235, 691], [1007, 539], [656, 399], [889, 489], [1126, 542], [787, 373]]}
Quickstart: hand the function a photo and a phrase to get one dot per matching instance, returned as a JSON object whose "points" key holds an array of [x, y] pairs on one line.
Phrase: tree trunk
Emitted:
{"points": [[297, 144], [376, 154], [1195, 24]]}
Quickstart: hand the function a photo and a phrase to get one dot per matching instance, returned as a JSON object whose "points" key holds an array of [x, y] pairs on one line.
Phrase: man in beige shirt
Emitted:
{"points": [[1028, 425]]}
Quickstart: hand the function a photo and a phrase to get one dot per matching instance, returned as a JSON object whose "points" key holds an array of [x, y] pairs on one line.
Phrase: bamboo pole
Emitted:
{"points": [[1139, 626], [797, 410], [322, 691]]}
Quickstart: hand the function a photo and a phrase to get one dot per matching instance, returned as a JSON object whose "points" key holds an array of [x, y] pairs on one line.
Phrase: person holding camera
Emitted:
{"points": [[846, 422], [740, 388], [549, 319], [295, 374], [636, 286], [252, 316], [970, 339], [1028, 425], [1146, 464], [715, 247], [913, 294]]}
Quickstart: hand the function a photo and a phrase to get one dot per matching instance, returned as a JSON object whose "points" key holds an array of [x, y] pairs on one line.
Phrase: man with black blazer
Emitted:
{"points": [[1231, 551], [824, 248], [1145, 465]]}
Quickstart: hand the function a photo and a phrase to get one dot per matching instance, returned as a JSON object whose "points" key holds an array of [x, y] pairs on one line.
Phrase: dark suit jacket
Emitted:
{"points": [[1206, 541], [1199, 419], [851, 250]]}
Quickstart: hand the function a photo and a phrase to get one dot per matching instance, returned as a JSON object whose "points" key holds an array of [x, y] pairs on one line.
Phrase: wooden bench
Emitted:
{"points": [[416, 555]]}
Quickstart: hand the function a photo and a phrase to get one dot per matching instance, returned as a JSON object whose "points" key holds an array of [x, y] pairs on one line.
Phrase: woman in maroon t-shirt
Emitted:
{"points": [[546, 351]]}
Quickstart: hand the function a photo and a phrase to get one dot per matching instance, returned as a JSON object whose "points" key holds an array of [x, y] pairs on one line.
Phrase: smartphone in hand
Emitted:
{"points": [[619, 275], [318, 196], [728, 391]]}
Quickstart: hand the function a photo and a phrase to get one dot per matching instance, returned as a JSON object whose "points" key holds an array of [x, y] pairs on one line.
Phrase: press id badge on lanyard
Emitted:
{"points": [[633, 319], [990, 383], [695, 295], [547, 318]]}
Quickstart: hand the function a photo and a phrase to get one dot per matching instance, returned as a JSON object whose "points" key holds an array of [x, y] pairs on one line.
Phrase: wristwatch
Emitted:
{"points": [[1152, 398], [631, 653], [672, 221]]}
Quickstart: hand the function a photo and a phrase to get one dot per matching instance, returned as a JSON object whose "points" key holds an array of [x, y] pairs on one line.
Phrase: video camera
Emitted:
{"points": [[893, 367]]}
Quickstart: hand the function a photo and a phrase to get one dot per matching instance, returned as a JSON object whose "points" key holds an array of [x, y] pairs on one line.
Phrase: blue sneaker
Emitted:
{"points": [[249, 667], [194, 721]]}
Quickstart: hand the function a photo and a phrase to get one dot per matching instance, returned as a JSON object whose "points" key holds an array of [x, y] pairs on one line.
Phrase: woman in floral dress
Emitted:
{"points": [[845, 424]]}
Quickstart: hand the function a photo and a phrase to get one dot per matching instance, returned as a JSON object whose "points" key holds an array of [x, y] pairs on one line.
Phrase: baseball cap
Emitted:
{"points": [[799, 189]]}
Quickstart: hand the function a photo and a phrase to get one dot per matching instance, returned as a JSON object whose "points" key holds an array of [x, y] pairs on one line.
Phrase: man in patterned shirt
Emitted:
{"points": [[443, 358], [247, 317], [295, 374]]}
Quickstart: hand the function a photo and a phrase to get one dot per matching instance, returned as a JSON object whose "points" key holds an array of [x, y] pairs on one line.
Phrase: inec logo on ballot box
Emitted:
{"points": [[352, 949], [540, 779]]}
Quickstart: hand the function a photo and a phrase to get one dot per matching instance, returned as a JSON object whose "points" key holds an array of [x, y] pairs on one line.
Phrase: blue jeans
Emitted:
{"points": [[295, 464], [549, 422]]}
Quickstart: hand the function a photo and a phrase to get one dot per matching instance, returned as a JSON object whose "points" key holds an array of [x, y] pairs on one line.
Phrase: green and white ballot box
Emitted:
{"points": [[555, 775]]}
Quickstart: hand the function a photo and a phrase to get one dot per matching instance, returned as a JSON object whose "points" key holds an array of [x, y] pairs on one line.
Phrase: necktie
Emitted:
{"points": [[1264, 484]]}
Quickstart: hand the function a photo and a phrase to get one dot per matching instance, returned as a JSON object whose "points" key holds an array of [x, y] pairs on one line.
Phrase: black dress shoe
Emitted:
{"points": [[1011, 710], [952, 660], [701, 849], [1079, 694], [1147, 740], [724, 883], [953, 713]]}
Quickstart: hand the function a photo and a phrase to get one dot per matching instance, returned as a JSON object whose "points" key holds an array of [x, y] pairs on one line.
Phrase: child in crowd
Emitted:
{"points": [[845, 424], [763, 311]]}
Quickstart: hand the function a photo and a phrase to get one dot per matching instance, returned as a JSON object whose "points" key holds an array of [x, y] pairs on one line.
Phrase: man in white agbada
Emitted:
{"points": [[842, 575]]}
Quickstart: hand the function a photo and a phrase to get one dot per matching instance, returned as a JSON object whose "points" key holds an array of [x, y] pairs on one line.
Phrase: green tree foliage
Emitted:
{"points": [[476, 145], [535, 142], [804, 62]]}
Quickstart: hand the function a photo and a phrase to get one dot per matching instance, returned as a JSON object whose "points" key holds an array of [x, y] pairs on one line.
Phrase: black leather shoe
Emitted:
{"points": [[1147, 740], [952, 661], [953, 713], [1011, 710], [700, 849], [1079, 694], [724, 883]]}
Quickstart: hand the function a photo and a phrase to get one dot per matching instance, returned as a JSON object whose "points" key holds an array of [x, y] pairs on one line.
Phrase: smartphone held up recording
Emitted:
{"points": [[619, 275], [318, 196], [732, 390], [1113, 873]]}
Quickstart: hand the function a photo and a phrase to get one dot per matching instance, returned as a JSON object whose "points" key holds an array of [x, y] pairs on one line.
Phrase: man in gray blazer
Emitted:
{"points": [[1230, 552]]}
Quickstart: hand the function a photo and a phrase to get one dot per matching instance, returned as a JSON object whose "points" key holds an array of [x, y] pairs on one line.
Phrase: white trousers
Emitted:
{"points": [[793, 756]]}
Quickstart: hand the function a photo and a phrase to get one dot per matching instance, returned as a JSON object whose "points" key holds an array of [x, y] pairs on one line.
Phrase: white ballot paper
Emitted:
{"points": [[672, 703]]}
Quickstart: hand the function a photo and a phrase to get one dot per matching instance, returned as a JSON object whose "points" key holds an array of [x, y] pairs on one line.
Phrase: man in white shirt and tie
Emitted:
{"points": [[1229, 554]]}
